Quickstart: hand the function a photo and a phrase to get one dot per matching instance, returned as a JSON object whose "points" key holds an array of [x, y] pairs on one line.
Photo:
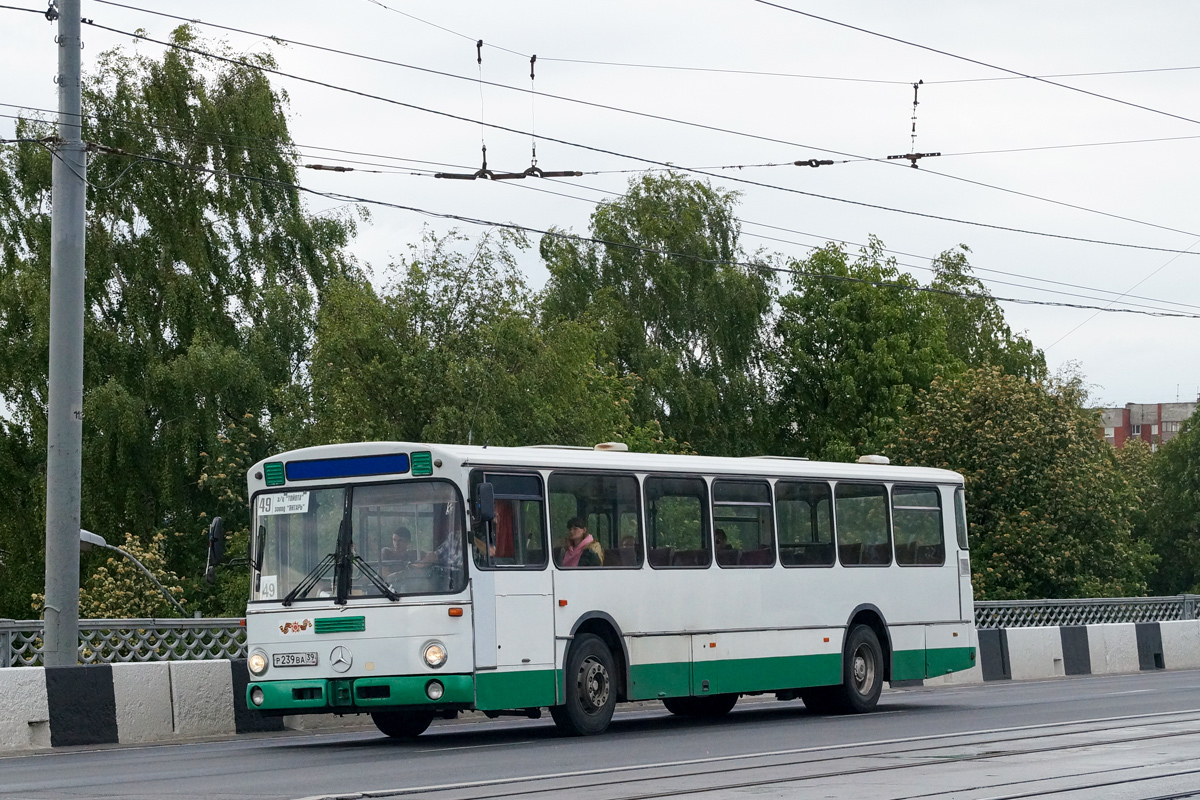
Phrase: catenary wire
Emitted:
{"points": [[744, 221], [343, 197], [811, 248], [648, 115], [592, 148], [1014, 72], [777, 74]]}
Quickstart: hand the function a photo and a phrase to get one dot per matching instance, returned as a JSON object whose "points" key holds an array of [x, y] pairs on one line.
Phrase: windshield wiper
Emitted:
{"points": [[310, 580], [375, 578]]}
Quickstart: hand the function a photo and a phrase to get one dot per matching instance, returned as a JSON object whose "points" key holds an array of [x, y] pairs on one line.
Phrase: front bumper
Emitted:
{"points": [[353, 695]]}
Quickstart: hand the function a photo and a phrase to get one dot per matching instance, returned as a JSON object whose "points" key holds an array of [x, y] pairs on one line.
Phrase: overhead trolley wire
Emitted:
{"points": [[1014, 72], [775, 74], [592, 148], [811, 248], [717, 129], [428, 173], [625, 245]]}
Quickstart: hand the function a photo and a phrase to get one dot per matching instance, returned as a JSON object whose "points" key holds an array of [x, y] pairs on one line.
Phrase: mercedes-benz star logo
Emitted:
{"points": [[340, 658]]}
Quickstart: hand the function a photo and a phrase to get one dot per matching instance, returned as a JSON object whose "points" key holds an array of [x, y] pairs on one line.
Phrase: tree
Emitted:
{"points": [[675, 307], [200, 292], [976, 331], [1173, 511], [455, 351], [852, 354], [1050, 511]]}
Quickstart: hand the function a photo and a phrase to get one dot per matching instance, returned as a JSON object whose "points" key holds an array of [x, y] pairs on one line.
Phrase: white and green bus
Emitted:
{"points": [[413, 581]]}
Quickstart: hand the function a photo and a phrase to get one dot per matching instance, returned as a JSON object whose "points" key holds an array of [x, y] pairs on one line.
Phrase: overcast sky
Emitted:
{"points": [[1127, 357]]}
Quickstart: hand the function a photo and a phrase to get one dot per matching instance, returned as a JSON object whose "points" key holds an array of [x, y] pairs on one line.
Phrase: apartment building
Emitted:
{"points": [[1153, 423]]}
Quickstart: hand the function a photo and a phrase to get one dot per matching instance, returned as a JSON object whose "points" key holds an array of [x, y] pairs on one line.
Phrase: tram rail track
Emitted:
{"points": [[828, 755]]}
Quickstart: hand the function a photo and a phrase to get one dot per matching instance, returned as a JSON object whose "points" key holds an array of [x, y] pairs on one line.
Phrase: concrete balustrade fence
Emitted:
{"points": [[159, 701]]}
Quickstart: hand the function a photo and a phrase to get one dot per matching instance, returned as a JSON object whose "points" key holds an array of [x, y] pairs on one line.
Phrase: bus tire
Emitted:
{"points": [[680, 706], [591, 692], [862, 671], [402, 724]]}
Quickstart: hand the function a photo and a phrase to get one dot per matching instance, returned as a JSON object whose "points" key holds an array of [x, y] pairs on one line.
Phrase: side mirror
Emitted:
{"points": [[485, 503], [216, 548]]}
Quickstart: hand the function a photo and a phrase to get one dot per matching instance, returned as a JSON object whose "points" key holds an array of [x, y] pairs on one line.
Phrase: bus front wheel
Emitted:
{"points": [[591, 694], [402, 724]]}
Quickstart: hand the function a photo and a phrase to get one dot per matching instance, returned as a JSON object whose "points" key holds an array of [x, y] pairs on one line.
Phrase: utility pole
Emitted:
{"points": [[65, 422]]}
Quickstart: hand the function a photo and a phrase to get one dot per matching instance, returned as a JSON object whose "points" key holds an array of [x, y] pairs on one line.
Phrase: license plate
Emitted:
{"points": [[294, 659]]}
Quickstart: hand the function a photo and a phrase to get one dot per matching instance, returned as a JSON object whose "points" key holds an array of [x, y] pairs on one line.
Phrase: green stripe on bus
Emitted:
{"points": [[942, 660], [517, 689], [908, 665], [651, 681]]}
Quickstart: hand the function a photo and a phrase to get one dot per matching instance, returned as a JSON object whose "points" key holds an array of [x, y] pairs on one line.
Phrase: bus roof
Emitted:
{"points": [[550, 457]]}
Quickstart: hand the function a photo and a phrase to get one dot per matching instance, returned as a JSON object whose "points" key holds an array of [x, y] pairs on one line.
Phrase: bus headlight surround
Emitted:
{"points": [[256, 696], [257, 663], [434, 654], [434, 690]]}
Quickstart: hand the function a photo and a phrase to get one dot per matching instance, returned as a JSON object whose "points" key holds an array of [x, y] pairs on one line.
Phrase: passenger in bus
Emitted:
{"points": [[580, 549], [721, 540], [401, 552]]}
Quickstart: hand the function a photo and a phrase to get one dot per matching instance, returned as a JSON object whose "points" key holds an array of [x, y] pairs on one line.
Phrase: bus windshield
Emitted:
{"points": [[391, 539]]}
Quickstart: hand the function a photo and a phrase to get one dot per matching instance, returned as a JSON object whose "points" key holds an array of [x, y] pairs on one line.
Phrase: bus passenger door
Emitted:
{"points": [[510, 554]]}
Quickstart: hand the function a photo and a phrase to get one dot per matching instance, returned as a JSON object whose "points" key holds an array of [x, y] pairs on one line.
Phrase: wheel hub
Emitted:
{"points": [[594, 685]]}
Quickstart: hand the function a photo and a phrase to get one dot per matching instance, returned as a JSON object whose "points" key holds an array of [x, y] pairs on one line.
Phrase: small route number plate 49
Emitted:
{"points": [[294, 659]]}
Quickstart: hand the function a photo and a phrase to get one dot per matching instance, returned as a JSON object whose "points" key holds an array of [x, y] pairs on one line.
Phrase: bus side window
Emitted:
{"points": [[608, 505], [516, 537], [960, 518], [678, 533], [805, 513], [743, 525], [861, 512], [917, 526]]}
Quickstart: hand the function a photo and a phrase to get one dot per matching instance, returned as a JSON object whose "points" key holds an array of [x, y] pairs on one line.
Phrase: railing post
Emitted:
{"points": [[5, 644], [1189, 606]]}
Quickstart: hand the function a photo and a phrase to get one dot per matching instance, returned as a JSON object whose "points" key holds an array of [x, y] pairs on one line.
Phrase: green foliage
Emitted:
{"points": [[1051, 512], [976, 332], [1173, 514], [688, 323], [200, 292], [852, 355]]}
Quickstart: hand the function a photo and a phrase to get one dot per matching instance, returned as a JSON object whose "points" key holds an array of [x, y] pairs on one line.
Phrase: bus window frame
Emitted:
{"points": [[941, 518], [712, 505], [642, 520], [887, 495], [962, 535], [706, 514], [545, 500], [348, 514], [828, 484]]}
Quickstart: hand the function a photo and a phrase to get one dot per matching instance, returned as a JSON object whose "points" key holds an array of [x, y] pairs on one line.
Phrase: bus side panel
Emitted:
{"points": [[763, 661], [949, 648], [528, 687], [660, 666], [908, 652]]}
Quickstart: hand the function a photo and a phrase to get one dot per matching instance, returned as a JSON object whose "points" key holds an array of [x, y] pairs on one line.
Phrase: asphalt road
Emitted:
{"points": [[1130, 736]]}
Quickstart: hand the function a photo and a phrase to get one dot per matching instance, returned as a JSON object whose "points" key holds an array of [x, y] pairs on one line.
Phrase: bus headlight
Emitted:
{"points": [[435, 690], [435, 654], [256, 696], [257, 662]]}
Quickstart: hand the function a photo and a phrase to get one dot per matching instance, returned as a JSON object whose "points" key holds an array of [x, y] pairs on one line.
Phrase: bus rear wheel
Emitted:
{"points": [[591, 693], [862, 672], [402, 724]]}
